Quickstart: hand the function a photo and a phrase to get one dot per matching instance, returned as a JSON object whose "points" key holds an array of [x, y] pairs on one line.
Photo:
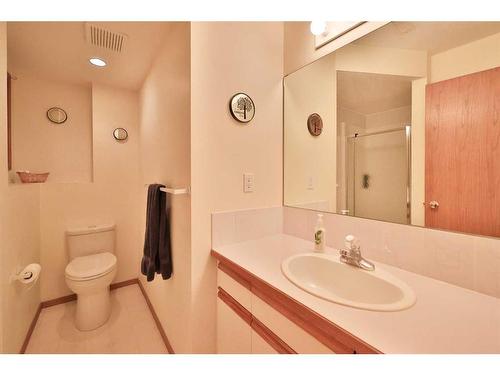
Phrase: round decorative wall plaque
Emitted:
{"points": [[57, 115], [315, 124], [242, 107], [120, 134]]}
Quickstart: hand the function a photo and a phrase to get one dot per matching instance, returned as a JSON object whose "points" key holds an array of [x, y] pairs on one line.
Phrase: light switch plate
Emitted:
{"points": [[248, 182], [310, 183]]}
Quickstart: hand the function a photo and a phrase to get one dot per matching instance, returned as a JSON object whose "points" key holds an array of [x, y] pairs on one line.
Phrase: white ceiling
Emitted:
{"points": [[60, 51], [367, 93], [433, 37]]}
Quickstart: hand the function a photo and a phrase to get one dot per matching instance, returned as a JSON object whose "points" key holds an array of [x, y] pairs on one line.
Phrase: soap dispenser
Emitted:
{"points": [[319, 235]]}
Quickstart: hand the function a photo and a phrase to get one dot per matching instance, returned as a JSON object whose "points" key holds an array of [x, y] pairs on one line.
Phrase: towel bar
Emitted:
{"points": [[186, 190]]}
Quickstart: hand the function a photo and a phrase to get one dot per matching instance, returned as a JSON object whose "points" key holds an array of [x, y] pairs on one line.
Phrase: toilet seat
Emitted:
{"points": [[90, 266]]}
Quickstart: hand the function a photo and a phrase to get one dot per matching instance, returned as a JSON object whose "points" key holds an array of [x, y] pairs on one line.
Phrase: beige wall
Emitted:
{"points": [[165, 158], [113, 197], [382, 60], [20, 246], [19, 236], [37, 144], [227, 58], [354, 121], [469, 58], [308, 158], [390, 119]]}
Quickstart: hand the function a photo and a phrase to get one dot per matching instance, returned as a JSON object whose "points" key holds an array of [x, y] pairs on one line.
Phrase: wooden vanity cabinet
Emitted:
{"points": [[254, 317]]}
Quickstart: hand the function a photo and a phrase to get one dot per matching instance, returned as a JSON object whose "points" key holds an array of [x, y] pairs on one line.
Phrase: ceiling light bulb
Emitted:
{"points": [[318, 27], [97, 61]]}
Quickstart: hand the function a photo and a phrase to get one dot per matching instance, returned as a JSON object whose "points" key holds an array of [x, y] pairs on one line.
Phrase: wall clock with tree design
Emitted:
{"points": [[242, 107]]}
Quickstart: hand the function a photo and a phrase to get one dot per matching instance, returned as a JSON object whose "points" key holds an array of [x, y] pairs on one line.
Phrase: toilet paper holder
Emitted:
{"points": [[24, 276], [29, 274]]}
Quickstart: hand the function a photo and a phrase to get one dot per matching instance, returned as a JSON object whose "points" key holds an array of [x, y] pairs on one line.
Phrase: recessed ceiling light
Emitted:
{"points": [[97, 61]]}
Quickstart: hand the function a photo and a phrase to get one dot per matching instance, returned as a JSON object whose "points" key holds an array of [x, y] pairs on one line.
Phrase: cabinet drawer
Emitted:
{"points": [[235, 289], [298, 339]]}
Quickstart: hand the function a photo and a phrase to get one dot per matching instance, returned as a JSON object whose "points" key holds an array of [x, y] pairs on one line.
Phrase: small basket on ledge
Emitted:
{"points": [[28, 177]]}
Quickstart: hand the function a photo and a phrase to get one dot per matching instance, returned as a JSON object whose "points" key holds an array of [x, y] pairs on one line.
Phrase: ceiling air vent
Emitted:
{"points": [[101, 37]]}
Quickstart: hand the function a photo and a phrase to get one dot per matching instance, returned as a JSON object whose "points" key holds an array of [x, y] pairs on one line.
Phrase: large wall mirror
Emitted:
{"points": [[411, 128]]}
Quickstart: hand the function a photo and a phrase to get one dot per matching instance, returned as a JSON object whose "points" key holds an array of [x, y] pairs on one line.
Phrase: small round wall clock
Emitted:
{"points": [[315, 124], [57, 115], [242, 107], [120, 134]]}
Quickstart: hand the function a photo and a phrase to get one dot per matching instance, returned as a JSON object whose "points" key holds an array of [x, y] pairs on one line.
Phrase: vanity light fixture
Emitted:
{"points": [[97, 61], [319, 28]]}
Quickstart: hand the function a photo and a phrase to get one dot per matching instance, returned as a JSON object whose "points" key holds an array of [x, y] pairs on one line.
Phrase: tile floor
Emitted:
{"points": [[130, 329]]}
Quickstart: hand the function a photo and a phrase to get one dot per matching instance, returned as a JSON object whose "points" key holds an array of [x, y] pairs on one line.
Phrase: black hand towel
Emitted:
{"points": [[157, 256]]}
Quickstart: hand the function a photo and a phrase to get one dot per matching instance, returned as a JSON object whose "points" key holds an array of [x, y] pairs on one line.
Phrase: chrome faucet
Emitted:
{"points": [[352, 254]]}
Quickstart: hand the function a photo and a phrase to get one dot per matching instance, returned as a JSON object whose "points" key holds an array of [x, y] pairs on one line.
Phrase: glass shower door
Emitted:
{"points": [[378, 172]]}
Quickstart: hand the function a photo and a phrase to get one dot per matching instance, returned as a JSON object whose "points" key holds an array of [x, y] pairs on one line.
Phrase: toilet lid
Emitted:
{"points": [[90, 266]]}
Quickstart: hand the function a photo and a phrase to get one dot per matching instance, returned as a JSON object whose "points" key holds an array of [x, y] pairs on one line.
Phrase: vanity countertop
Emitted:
{"points": [[445, 319]]}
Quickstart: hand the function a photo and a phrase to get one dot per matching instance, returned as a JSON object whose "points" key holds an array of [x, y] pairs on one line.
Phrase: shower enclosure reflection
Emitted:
{"points": [[377, 177], [373, 146]]}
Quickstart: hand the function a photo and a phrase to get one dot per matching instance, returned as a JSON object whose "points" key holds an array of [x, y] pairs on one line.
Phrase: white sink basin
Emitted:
{"points": [[324, 276]]}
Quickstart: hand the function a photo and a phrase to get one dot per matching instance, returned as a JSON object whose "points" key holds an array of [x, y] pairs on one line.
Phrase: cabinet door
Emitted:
{"points": [[233, 333], [260, 346]]}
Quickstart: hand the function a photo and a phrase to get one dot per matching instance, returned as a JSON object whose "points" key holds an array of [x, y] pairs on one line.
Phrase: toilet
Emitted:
{"points": [[89, 273]]}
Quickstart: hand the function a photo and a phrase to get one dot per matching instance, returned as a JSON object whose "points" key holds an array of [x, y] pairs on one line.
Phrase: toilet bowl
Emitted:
{"points": [[89, 278], [89, 273]]}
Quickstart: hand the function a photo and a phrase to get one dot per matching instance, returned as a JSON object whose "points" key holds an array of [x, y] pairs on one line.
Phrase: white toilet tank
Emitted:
{"points": [[90, 240]]}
